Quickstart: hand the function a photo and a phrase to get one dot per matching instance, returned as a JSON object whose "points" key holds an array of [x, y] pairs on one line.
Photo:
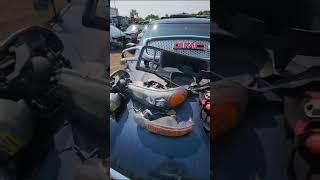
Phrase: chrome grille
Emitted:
{"points": [[167, 44]]}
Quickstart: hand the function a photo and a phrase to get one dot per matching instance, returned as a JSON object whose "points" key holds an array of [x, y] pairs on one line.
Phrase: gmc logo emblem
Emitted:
{"points": [[186, 45]]}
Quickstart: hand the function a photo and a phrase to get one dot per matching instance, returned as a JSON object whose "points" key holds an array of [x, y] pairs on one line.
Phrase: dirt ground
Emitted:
{"points": [[115, 61], [17, 14]]}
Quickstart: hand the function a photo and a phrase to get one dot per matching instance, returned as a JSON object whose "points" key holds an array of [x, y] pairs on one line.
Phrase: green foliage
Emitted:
{"points": [[151, 16], [204, 13], [134, 13]]}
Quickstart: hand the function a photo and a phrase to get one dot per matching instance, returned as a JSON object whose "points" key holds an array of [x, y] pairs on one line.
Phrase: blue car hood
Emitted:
{"points": [[137, 153]]}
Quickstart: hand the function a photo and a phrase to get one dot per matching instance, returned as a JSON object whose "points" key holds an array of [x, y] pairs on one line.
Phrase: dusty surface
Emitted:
{"points": [[115, 61], [17, 14]]}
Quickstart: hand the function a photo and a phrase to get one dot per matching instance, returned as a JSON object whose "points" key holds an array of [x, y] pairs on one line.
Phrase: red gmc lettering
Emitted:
{"points": [[188, 45], [193, 46], [177, 46]]}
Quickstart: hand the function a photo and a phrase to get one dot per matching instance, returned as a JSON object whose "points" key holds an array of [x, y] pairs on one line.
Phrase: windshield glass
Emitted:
{"points": [[31, 12], [155, 30], [123, 21], [115, 32], [133, 28]]}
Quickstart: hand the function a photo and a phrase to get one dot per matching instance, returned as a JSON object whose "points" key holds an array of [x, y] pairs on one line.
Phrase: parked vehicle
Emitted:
{"points": [[118, 39], [120, 22], [133, 30], [150, 137], [173, 27], [176, 26]]}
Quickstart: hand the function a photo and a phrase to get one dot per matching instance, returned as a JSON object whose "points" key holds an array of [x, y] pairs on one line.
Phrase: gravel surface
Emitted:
{"points": [[115, 61]]}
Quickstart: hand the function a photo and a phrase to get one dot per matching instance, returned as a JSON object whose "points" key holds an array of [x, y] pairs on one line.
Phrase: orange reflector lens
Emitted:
{"points": [[168, 131], [178, 98], [229, 104], [225, 117]]}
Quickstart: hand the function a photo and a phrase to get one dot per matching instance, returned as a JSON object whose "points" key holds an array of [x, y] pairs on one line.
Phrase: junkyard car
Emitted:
{"points": [[118, 39], [158, 132], [133, 30]]}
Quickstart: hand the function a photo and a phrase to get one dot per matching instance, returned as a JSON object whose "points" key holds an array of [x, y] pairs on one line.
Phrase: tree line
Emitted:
{"points": [[134, 14]]}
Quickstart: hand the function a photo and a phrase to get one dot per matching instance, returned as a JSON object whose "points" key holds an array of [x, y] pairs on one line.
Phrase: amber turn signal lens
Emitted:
{"points": [[225, 117], [177, 98], [172, 132], [229, 104]]}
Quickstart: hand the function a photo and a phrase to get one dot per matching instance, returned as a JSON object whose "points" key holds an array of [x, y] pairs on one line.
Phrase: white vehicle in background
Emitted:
{"points": [[118, 39]]}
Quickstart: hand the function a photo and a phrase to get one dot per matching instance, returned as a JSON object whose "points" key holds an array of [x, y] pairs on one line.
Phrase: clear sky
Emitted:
{"points": [[159, 8]]}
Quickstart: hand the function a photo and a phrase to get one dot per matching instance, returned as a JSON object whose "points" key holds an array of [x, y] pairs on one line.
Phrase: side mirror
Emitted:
{"points": [[96, 15], [131, 57], [130, 45]]}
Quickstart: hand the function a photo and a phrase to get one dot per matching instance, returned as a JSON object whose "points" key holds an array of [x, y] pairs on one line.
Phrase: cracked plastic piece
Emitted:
{"points": [[159, 98], [166, 126]]}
